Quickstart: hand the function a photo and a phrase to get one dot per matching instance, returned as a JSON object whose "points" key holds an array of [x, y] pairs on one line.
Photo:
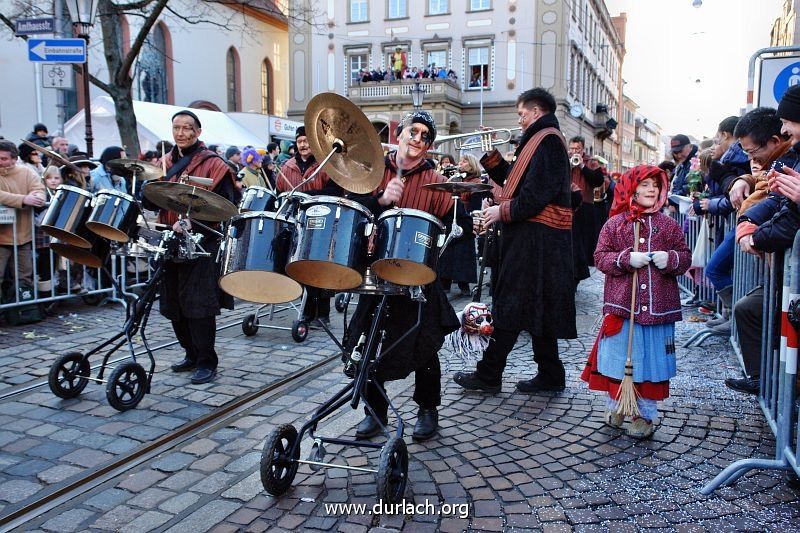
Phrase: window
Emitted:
{"points": [[267, 103], [232, 79], [479, 5], [355, 63], [151, 68], [478, 66], [437, 7], [436, 57], [358, 11], [398, 9]]}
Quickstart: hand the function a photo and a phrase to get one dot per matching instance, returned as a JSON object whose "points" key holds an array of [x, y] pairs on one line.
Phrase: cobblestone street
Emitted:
{"points": [[508, 461]]}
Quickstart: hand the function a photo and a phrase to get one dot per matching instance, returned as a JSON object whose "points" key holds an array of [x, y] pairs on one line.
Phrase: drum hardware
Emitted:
{"points": [[189, 200], [138, 170]]}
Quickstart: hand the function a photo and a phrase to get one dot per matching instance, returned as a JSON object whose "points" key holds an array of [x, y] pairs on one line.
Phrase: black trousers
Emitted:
{"points": [[749, 320], [427, 389], [545, 354], [197, 337], [318, 305]]}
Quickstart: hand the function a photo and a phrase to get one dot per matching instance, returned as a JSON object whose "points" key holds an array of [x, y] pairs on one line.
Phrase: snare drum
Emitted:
{"points": [[93, 257], [257, 198], [331, 247], [255, 252], [114, 215], [289, 203], [66, 217], [407, 246]]}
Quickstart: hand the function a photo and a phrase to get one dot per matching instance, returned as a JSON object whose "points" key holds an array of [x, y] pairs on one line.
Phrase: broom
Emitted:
{"points": [[626, 398]]}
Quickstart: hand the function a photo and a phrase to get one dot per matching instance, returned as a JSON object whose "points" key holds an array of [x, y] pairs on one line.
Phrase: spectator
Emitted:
{"points": [[44, 267], [151, 156], [475, 81], [668, 167], [682, 151], [273, 150], [451, 75], [398, 62], [287, 152], [268, 168], [31, 158], [251, 174], [77, 175], [39, 135], [21, 189], [60, 146], [233, 156], [102, 178]]}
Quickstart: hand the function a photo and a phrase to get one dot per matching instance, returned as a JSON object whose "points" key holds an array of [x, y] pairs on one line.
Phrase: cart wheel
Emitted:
{"points": [[317, 455], [393, 470], [250, 325], [340, 303], [126, 386], [92, 299], [299, 330], [277, 468], [67, 377]]}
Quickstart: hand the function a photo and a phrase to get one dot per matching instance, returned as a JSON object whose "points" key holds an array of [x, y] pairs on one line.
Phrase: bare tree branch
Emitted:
{"points": [[137, 44]]}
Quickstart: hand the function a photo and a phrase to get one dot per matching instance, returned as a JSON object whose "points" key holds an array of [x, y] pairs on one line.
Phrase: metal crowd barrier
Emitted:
{"points": [[130, 273], [690, 224], [778, 380]]}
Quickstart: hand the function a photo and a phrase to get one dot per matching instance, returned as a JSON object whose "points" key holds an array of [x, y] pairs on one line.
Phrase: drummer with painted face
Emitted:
{"points": [[190, 297], [406, 172], [291, 174]]}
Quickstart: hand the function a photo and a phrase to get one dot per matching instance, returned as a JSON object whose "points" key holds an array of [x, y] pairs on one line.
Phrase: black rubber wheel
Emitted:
{"points": [[126, 386], [250, 325], [92, 299], [277, 468], [299, 330], [340, 303], [317, 455], [67, 377], [393, 470]]}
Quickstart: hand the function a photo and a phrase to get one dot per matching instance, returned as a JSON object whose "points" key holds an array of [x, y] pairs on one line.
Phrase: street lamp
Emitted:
{"points": [[417, 95], [82, 12]]}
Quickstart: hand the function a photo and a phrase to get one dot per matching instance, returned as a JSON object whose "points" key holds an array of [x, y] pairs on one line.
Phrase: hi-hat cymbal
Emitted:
{"points": [[359, 166], [458, 187], [133, 167], [190, 200]]}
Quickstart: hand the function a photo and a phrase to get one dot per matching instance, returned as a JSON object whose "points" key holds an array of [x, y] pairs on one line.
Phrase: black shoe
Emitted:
{"points": [[427, 423], [368, 428], [471, 381], [745, 385], [538, 384], [183, 366], [203, 375]]}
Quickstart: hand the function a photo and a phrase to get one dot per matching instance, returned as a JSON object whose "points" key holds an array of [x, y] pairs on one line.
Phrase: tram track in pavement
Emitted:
{"points": [[219, 417]]}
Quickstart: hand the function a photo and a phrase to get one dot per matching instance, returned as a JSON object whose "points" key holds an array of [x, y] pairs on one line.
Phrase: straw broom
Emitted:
{"points": [[626, 399]]}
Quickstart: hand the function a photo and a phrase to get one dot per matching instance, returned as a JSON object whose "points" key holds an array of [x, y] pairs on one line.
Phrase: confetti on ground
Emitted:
{"points": [[33, 335]]}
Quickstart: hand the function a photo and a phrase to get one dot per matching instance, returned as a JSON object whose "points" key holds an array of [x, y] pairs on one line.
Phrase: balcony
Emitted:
{"points": [[399, 92]]}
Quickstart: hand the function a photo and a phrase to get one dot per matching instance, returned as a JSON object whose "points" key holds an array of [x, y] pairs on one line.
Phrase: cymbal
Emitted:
{"points": [[190, 200], [53, 157], [133, 167], [359, 166], [458, 187]]}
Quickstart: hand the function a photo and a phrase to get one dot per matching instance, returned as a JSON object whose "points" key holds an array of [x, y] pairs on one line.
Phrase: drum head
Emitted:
{"points": [[403, 272], [82, 256], [66, 237], [108, 232], [324, 275], [260, 287]]}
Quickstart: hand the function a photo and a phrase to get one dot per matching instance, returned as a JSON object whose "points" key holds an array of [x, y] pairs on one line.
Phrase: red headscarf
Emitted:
{"points": [[625, 190]]}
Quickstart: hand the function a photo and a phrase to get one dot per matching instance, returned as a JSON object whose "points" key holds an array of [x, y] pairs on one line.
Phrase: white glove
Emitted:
{"points": [[639, 259], [660, 259]]}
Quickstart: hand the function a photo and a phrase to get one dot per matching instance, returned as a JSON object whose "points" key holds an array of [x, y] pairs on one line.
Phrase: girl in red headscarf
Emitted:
{"points": [[661, 255]]}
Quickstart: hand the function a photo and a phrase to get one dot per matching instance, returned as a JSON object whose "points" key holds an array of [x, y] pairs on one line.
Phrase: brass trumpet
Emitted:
{"points": [[575, 160], [486, 143]]}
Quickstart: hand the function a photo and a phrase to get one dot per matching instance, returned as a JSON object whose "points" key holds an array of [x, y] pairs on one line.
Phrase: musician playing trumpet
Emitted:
{"points": [[587, 175]]}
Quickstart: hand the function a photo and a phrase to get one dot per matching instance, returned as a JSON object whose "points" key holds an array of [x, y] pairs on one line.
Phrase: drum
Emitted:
{"points": [[407, 246], [331, 247], [258, 199], [255, 252], [289, 204], [93, 257], [66, 217], [114, 215]]}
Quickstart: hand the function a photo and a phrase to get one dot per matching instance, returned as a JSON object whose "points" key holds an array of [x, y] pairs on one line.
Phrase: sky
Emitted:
{"points": [[686, 67]]}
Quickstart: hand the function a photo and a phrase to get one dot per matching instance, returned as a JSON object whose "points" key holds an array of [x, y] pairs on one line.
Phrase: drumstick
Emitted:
{"points": [[163, 161], [266, 179], [284, 177]]}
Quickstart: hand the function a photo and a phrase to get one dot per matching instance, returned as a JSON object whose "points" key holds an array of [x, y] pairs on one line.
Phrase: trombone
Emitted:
{"points": [[486, 143]]}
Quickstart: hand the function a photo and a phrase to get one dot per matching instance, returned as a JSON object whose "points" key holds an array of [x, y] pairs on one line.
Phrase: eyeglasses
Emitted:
{"points": [[424, 136], [753, 151]]}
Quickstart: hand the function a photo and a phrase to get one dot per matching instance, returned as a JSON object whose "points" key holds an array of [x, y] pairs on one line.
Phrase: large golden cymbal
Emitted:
{"points": [[190, 200], [458, 187], [133, 167], [359, 166]]}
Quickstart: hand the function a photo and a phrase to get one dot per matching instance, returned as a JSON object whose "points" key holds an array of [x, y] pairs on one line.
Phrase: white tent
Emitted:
{"points": [[154, 123]]}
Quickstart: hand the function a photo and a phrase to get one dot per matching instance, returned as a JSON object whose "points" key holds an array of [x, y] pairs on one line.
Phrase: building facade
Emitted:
{"points": [[785, 31], [628, 134], [646, 144], [491, 49]]}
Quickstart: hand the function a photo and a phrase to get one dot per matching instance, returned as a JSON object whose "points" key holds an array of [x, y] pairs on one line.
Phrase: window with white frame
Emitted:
{"points": [[358, 11], [397, 9], [436, 57], [437, 7], [478, 66], [479, 5], [356, 62]]}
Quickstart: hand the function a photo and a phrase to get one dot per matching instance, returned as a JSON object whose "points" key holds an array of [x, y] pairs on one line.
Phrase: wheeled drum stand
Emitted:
{"points": [[299, 329], [281, 454]]}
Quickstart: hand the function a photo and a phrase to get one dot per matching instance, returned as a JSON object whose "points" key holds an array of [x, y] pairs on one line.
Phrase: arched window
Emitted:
{"points": [[152, 72], [232, 78], [267, 97]]}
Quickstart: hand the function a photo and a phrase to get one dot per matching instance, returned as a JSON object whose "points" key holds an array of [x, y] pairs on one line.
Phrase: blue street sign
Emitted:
{"points": [[35, 26], [57, 50]]}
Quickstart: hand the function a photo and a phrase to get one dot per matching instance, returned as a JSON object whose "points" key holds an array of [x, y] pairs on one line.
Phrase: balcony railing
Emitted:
{"points": [[400, 90]]}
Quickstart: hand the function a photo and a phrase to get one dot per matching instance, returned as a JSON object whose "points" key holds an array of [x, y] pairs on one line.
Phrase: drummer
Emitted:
{"points": [[191, 297], [405, 172], [291, 174]]}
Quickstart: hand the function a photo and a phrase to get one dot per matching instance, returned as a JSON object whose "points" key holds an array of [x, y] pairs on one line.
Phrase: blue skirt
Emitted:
{"points": [[653, 353]]}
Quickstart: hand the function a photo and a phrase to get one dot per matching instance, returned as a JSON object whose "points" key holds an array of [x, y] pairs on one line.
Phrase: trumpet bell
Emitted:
{"points": [[575, 160]]}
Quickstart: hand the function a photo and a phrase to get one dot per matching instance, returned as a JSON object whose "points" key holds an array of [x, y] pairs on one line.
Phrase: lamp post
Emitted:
{"points": [[82, 12], [417, 95]]}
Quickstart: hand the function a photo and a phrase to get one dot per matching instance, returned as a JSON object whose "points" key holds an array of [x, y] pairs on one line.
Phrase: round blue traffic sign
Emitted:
{"points": [[786, 78]]}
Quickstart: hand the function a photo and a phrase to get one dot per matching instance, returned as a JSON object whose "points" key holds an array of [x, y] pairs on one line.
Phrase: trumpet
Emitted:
{"points": [[486, 143], [575, 160]]}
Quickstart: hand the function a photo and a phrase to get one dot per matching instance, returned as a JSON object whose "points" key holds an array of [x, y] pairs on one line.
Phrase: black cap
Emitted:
{"points": [[39, 127], [300, 132], [189, 114], [789, 106], [678, 142], [232, 151]]}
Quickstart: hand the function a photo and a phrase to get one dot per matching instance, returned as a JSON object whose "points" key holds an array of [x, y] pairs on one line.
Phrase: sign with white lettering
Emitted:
{"points": [[35, 26]]}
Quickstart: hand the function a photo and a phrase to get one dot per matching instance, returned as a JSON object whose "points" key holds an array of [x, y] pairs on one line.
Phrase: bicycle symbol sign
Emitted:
{"points": [[56, 76]]}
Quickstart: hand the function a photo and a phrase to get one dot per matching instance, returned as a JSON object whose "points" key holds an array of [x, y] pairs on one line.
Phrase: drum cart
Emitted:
{"points": [[299, 329], [280, 457]]}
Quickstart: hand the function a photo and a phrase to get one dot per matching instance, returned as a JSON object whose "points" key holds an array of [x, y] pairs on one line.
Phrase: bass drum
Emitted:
{"points": [[66, 217], [257, 198], [114, 216], [255, 252], [331, 247], [407, 246]]}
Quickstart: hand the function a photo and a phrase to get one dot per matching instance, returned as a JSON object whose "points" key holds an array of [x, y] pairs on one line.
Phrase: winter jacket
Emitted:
{"points": [[721, 175], [679, 185]]}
